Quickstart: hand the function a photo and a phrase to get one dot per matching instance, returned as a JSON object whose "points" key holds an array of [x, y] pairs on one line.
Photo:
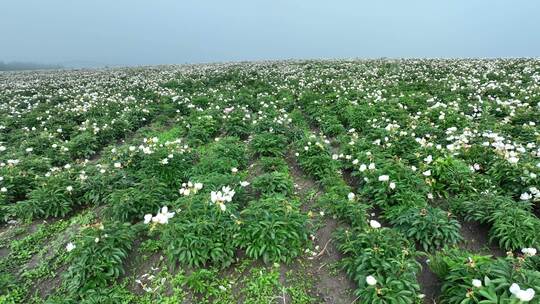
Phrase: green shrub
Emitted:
{"points": [[98, 257], [274, 183], [384, 254], [268, 144], [431, 227], [199, 234], [272, 229]]}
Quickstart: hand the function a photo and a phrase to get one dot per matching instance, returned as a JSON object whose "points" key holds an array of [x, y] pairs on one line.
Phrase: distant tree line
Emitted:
{"points": [[20, 66]]}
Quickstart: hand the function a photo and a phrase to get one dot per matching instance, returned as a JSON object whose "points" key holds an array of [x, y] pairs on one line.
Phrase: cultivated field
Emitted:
{"points": [[382, 181]]}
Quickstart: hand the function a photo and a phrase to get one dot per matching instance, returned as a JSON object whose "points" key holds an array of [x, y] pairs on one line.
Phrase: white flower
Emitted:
{"points": [[162, 217], [374, 224], [355, 162], [513, 160], [234, 170], [529, 251], [164, 161], [70, 246], [371, 166], [384, 178], [220, 197], [370, 280], [522, 295], [514, 288], [29, 150], [525, 196], [244, 184], [147, 218], [392, 185], [69, 188], [96, 240], [363, 167], [525, 295], [198, 186], [427, 173], [351, 196], [2, 148], [3, 189], [335, 156], [476, 283], [118, 165]]}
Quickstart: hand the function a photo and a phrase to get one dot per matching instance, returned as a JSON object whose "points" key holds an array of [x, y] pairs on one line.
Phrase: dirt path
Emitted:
{"points": [[330, 285]]}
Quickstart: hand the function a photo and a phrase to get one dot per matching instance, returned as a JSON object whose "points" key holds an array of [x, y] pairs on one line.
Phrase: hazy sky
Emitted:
{"points": [[133, 32]]}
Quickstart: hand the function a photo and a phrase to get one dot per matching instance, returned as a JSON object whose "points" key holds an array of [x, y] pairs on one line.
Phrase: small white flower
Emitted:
{"points": [[526, 295], [514, 288], [384, 178], [370, 280], [374, 224], [513, 160], [363, 167], [147, 218], [118, 165], [351, 196], [427, 173], [371, 166], [392, 185], [525, 196], [96, 240], [244, 184], [3, 189], [70, 246], [476, 283], [234, 170], [29, 150], [335, 156], [355, 162], [529, 251], [69, 188]]}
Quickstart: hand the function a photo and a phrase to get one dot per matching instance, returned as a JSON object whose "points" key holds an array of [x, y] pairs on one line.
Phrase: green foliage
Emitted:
{"points": [[98, 257], [133, 203], [384, 254], [271, 164], [268, 144], [452, 177], [202, 128], [352, 212], [199, 234], [262, 286], [458, 268], [431, 227], [274, 183], [515, 228], [272, 229]]}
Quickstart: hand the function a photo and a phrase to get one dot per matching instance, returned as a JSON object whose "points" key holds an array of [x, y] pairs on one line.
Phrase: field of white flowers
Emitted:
{"points": [[378, 181]]}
